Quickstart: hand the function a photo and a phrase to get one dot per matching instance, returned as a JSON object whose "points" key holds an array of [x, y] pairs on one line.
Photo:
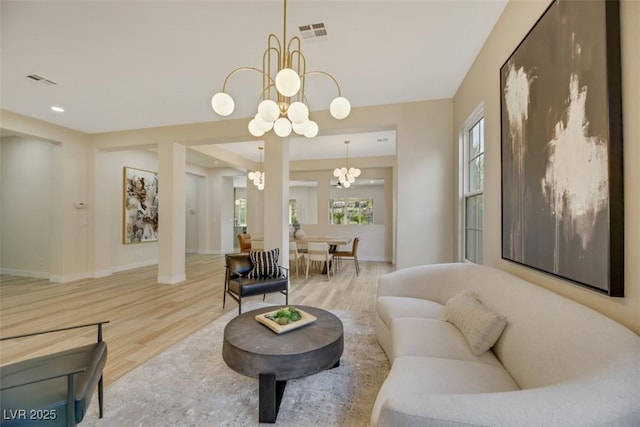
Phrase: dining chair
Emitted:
{"points": [[245, 242], [295, 256], [257, 245], [319, 252], [353, 253]]}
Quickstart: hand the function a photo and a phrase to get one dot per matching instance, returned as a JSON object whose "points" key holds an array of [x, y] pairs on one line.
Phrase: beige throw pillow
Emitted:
{"points": [[480, 327]]}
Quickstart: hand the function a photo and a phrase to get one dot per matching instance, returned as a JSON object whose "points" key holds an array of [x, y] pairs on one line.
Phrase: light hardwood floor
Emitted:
{"points": [[146, 317]]}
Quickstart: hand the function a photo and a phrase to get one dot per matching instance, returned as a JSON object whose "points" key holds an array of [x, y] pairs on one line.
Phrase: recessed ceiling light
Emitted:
{"points": [[57, 109]]}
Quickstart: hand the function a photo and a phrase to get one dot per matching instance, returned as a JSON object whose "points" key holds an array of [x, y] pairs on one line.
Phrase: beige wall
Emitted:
{"points": [[423, 214], [481, 85], [421, 209], [70, 228]]}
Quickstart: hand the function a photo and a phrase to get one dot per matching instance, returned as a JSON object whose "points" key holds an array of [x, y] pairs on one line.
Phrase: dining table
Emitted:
{"points": [[332, 241]]}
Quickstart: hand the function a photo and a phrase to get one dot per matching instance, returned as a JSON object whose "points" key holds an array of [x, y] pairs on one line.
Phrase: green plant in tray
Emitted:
{"points": [[286, 315]]}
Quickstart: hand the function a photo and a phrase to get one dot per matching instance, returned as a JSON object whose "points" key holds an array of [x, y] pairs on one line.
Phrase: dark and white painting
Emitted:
{"points": [[140, 206], [562, 147]]}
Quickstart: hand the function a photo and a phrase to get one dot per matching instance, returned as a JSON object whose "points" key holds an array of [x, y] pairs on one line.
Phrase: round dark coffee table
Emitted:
{"points": [[251, 348]]}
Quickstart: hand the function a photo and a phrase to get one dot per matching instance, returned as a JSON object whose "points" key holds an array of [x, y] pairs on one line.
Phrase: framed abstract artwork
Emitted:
{"points": [[140, 206], [561, 125]]}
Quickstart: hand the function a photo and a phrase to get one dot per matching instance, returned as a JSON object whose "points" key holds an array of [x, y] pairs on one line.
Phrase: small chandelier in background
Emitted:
{"points": [[346, 175], [283, 107], [258, 176]]}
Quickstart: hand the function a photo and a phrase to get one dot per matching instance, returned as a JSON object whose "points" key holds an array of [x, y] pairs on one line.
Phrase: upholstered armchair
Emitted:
{"points": [[245, 277], [54, 389]]}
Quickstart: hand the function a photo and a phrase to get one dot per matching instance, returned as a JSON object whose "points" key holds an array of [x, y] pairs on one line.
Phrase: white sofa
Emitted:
{"points": [[557, 363]]}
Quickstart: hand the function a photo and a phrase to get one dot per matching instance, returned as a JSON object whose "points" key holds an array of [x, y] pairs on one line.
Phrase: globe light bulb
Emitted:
{"points": [[222, 104], [255, 129], [265, 126], [282, 127], [340, 107], [312, 130], [301, 128], [268, 110], [298, 112], [287, 82]]}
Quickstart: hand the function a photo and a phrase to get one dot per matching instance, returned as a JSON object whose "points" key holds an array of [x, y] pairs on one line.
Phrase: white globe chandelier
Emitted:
{"points": [[258, 176], [346, 175], [283, 107]]}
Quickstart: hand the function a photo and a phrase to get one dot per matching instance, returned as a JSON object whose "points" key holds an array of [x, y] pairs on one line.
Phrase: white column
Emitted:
{"points": [[276, 196], [171, 216]]}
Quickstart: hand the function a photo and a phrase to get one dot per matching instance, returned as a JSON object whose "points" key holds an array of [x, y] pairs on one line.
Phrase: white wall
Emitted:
{"points": [[420, 202], [306, 203], [27, 180], [481, 85], [125, 256], [376, 240]]}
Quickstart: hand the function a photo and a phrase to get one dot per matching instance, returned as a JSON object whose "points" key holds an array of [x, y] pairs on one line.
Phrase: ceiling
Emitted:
{"points": [[122, 65]]}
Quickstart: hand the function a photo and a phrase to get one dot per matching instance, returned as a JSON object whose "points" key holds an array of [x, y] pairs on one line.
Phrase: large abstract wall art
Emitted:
{"points": [[140, 217], [561, 116]]}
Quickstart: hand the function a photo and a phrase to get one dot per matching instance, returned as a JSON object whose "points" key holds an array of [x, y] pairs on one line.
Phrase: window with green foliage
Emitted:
{"points": [[351, 210], [293, 211], [241, 211], [473, 196]]}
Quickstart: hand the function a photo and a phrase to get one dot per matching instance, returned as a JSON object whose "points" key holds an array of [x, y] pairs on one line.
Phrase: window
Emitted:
{"points": [[293, 211], [351, 210], [473, 193], [240, 214]]}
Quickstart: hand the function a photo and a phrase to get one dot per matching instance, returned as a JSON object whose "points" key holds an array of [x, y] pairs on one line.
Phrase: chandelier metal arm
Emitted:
{"points": [[301, 68], [224, 85], [309, 73], [273, 45]]}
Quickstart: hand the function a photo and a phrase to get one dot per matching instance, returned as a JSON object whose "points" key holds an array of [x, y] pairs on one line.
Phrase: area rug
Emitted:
{"points": [[190, 385]]}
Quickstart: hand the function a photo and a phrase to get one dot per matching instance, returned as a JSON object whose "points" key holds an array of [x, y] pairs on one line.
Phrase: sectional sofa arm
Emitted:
{"points": [[562, 405]]}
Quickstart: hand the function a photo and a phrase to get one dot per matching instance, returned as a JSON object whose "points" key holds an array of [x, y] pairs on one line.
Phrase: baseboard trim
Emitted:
{"points": [[172, 280], [69, 278], [25, 273], [134, 265]]}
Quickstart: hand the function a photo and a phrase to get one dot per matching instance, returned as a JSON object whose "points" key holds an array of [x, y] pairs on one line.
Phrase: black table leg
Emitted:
{"points": [[269, 397]]}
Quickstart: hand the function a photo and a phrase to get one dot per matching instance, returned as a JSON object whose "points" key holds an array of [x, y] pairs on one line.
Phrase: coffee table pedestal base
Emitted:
{"points": [[269, 396]]}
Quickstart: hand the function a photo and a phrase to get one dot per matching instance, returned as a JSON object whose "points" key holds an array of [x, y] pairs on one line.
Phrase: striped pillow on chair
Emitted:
{"points": [[265, 263]]}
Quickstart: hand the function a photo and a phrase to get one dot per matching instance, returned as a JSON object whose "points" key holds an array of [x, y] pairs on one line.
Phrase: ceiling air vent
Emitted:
{"points": [[313, 31], [41, 79]]}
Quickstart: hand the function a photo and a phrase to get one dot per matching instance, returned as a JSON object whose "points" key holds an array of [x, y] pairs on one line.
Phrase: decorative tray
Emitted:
{"points": [[305, 319]]}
